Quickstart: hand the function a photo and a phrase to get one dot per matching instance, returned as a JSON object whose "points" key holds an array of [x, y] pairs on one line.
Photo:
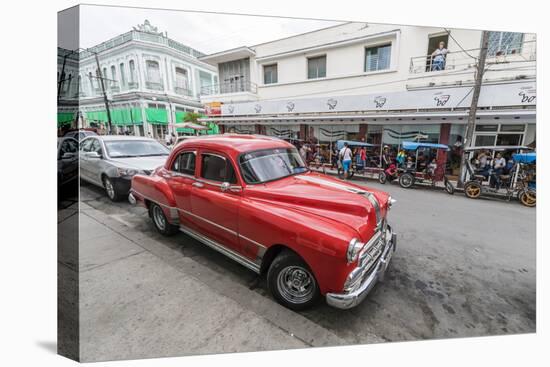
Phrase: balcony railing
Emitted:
{"points": [[133, 85], [183, 91], [154, 85], [464, 59], [142, 36], [229, 87]]}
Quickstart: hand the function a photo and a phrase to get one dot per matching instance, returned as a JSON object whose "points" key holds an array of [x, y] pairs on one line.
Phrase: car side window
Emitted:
{"points": [[185, 163], [217, 168], [68, 146], [86, 145], [96, 146]]}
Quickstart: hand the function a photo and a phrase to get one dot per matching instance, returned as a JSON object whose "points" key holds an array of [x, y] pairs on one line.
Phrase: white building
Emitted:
{"points": [[375, 82], [151, 82]]}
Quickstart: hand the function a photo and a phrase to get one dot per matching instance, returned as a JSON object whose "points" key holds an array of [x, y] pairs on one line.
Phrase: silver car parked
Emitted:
{"points": [[110, 161]]}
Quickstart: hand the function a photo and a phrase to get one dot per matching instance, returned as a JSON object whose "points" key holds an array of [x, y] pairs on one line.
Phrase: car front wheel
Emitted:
{"points": [[111, 190], [291, 282]]}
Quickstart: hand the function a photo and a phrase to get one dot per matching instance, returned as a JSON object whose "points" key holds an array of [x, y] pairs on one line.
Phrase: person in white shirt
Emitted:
{"points": [[498, 165], [168, 139], [346, 156], [439, 56]]}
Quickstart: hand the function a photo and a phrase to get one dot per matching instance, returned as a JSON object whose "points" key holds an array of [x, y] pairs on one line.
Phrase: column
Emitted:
{"points": [[444, 136], [363, 129]]}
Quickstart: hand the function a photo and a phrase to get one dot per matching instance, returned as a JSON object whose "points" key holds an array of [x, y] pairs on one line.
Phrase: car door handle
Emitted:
{"points": [[198, 184]]}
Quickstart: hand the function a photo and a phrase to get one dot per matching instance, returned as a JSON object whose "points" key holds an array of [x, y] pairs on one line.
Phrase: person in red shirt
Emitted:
{"points": [[363, 156]]}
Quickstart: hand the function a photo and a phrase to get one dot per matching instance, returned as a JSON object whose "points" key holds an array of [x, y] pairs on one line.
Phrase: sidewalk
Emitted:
{"points": [[142, 299]]}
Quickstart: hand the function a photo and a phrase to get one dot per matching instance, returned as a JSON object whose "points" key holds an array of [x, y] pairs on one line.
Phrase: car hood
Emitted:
{"points": [[140, 163], [327, 197]]}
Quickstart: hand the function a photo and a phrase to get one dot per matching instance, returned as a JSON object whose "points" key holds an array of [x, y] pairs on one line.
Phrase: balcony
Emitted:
{"points": [[154, 85], [229, 87], [466, 59], [183, 91]]}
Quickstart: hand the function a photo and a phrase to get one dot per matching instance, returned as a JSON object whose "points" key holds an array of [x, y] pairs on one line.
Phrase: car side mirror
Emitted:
{"points": [[93, 155], [68, 155], [225, 186]]}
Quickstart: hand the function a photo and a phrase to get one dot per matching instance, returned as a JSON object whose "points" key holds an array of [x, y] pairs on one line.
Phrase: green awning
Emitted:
{"points": [[65, 118], [119, 116], [125, 116], [157, 115], [100, 116]]}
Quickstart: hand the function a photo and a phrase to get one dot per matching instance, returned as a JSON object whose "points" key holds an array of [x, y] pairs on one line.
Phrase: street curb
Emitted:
{"points": [[291, 322]]}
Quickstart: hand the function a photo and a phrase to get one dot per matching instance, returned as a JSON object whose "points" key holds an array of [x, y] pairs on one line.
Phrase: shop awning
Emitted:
{"points": [[157, 116], [65, 118], [119, 116]]}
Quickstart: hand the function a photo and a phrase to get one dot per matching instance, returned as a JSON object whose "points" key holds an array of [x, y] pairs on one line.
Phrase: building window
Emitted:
{"points": [[504, 43], [270, 74], [132, 66], [113, 76], [377, 58], [317, 67], [205, 80], [153, 71], [234, 77], [122, 74], [181, 80], [154, 80]]}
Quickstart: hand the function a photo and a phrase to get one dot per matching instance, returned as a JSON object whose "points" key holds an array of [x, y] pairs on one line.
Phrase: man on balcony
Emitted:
{"points": [[438, 57]]}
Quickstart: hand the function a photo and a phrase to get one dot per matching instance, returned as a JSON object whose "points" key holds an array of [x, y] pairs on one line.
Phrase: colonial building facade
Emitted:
{"points": [[151, 82], [378, 83]]}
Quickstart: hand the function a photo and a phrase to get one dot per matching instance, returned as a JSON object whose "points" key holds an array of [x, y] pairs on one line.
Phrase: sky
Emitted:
{"points": [[208, 33]]}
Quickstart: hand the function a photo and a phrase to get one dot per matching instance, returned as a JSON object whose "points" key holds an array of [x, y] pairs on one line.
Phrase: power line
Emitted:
{"points": [[458, 43]]}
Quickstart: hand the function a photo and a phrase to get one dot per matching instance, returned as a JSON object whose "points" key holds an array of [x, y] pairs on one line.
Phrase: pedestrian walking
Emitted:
{"points": [[346, 156]]}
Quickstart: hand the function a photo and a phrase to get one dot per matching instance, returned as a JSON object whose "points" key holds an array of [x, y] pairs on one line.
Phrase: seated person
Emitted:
{"points": [[410, 163], [391, 171], [432, 167]]}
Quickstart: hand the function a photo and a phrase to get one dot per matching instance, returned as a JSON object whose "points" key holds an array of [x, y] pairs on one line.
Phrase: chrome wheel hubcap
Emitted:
{"points": [[109, 188], [296, 284], [158, 217]]}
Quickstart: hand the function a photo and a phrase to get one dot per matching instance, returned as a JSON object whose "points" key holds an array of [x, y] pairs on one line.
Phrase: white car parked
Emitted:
{"points": [[110, 161]]}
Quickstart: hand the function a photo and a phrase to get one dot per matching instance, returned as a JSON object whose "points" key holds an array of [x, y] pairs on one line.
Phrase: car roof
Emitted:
{"points": [[120, 137], [236, 143]]}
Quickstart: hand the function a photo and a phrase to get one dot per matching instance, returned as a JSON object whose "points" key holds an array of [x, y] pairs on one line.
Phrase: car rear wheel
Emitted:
{"points": [[160, 221], [110, 190], [406, 180], [291, 282], [472, 189]]}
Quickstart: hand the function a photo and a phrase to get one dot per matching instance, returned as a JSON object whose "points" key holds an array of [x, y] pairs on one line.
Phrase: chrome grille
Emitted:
{"points": [[368, 257]]}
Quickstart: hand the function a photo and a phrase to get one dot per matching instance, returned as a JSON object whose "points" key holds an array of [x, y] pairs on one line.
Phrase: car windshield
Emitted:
{"points": [[271, 164], [134, 148]]}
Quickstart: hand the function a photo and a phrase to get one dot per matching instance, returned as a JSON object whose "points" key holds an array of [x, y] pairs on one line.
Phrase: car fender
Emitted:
{"points": [[155, 189], [320, 242]]}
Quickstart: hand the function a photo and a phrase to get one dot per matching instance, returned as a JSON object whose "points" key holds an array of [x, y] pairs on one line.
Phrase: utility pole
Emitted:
{"points": [[105, 99], [480, 69]]}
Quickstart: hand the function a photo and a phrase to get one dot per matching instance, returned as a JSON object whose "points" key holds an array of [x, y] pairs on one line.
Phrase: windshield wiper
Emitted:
{"points": [[152, 154]]}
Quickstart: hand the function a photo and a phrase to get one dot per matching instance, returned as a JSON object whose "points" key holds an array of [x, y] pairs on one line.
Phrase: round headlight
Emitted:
{"points": [[354, 248], [391, 201]]}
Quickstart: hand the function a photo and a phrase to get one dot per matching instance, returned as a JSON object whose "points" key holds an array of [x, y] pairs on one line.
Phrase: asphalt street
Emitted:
{"points": [[462, 268]]}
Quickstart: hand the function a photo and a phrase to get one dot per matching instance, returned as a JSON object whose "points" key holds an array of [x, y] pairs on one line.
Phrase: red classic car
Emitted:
{"points": [[253, 199]]}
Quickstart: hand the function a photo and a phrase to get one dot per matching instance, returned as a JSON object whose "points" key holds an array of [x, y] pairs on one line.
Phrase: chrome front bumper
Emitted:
{"points": [[353, 298]]}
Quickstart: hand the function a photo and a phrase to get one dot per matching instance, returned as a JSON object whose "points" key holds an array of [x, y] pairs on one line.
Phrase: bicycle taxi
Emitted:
{"points": [[420, 170], [370, 168], [518, 180]]}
